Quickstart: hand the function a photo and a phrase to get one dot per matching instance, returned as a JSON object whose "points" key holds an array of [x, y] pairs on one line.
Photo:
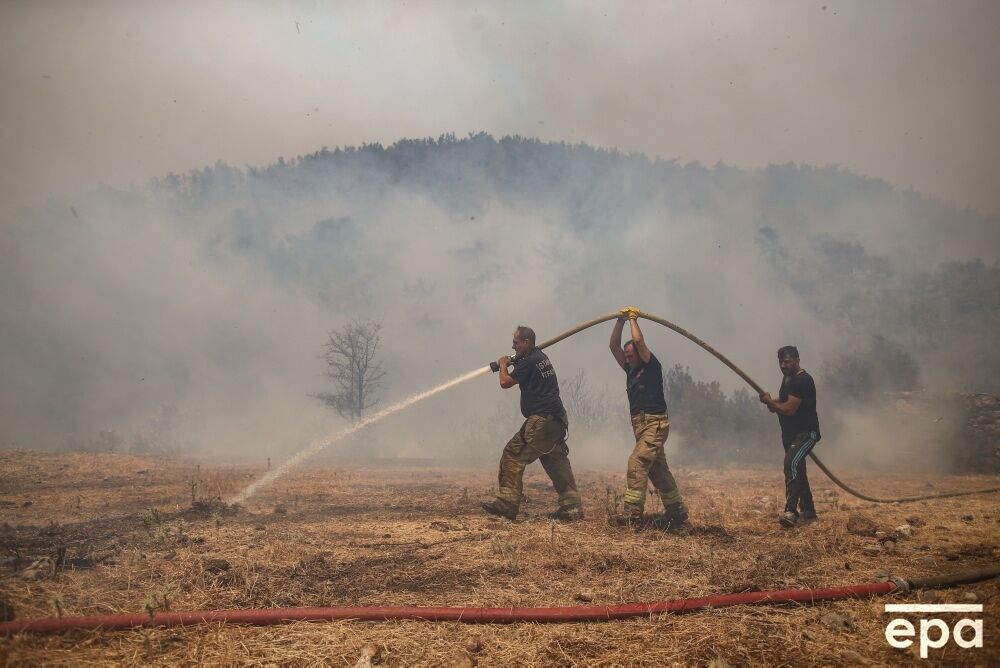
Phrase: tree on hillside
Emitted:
{"points": [[713, 427], [351, 360], [860, 373]]}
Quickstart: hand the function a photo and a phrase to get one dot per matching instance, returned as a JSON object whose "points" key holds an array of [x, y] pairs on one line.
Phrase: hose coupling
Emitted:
{"points": [[902, 584]]}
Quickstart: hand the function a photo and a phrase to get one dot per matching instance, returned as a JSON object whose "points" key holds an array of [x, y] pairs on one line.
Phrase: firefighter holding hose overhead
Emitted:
{"points": [[542, 436], [796, 409], [648, 407]]}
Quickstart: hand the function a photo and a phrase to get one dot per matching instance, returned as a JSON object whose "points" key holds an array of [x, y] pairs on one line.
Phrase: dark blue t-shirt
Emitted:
{"points": [[539, 387], [800, 385], [644, 385]]}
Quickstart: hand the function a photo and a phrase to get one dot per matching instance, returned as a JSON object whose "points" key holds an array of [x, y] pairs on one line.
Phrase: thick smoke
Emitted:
{"points": [[190, 313]]}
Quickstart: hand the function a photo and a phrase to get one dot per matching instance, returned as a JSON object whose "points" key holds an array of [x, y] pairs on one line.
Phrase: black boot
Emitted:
{"points": [[567, 514], [676, 515], [500, 508], [630, 520]]}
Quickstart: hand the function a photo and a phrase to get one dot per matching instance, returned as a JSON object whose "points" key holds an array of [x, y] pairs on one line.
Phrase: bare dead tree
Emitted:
{"points": [[351, 360], [589, 411]]}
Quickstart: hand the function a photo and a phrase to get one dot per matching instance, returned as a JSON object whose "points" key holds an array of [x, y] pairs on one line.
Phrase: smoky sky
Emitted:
{"points": [[193, 311], [116, 91]]}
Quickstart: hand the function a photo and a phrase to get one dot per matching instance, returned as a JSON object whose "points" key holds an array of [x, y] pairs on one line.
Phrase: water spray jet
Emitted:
{"points": [[320, 444]]}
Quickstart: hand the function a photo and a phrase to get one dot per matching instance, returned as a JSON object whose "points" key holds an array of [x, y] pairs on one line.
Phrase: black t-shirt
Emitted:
{"points": [[800, 385], [644, 385], [539, 388]]}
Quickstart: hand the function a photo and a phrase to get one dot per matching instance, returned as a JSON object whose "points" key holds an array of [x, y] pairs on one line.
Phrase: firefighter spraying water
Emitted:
{"points": [[631, 313], [542, 436]]}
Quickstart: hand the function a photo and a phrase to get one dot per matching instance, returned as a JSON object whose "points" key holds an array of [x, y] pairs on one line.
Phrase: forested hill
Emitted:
{"points": [[593, 183], [854, 251], [221, 279]]}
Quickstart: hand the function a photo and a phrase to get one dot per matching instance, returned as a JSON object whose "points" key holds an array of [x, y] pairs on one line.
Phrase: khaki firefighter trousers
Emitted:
{"points": [[648, 462], [541, 437]]}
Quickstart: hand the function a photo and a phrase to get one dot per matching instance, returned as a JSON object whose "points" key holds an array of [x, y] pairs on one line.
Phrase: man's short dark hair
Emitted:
{"points": [[785, 351], [627, 344], [526, 333]]}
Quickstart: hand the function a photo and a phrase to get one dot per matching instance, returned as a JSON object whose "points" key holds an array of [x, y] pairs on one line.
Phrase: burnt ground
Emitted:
{"points": [[123, 536]]}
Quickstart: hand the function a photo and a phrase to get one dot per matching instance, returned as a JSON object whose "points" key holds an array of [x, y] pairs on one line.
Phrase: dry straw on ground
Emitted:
{"points": [[133, 542]]}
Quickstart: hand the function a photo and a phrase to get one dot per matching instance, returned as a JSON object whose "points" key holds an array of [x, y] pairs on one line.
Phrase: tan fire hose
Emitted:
{"points": [[759, 390]]}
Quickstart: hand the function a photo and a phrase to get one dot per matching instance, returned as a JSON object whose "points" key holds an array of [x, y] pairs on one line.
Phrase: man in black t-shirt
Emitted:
{"points": [[648, 407], [542, 436], [796, 409]]}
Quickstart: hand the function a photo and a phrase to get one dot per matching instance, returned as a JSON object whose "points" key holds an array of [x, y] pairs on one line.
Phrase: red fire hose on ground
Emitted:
{"points": [[590, 613]]}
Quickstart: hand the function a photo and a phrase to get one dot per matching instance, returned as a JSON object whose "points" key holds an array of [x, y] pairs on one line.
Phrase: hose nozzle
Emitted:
{"points": [[494, 367]]}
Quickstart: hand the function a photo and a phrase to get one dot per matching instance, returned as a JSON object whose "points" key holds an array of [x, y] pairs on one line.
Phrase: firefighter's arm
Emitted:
{"points": [[616, 342], [788, 407], [640, 344], [506, 380]]}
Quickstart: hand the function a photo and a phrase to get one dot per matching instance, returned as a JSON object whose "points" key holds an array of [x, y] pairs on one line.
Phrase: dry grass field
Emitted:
{"points": [[131, 541]]}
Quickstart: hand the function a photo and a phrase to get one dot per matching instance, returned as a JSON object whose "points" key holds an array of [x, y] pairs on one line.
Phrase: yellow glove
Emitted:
{"points": [[630, 312]]}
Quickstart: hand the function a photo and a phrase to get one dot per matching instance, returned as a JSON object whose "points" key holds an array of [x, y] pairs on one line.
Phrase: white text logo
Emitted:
{"points": [[966, 632]]}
